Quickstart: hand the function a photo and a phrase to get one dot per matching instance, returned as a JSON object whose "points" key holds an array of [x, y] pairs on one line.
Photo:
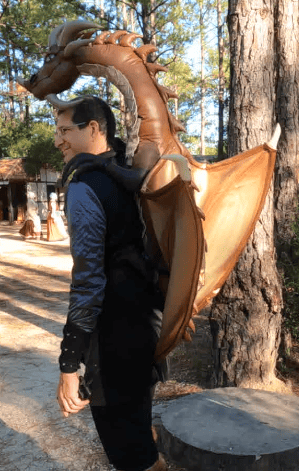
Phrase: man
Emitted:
{"points": [[114, 315]]}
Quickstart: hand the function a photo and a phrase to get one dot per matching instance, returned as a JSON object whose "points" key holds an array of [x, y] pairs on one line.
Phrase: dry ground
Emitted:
{"points": [[34, 285]]}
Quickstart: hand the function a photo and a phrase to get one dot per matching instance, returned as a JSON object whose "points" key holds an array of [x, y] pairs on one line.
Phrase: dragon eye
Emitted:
{"points": [[50, 57]]}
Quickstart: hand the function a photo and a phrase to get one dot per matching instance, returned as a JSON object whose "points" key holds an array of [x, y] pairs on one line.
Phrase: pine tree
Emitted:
{"points": [[247, 314]]}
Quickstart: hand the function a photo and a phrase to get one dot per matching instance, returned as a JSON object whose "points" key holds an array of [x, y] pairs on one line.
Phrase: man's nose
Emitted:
{"points": [[57, 140]]}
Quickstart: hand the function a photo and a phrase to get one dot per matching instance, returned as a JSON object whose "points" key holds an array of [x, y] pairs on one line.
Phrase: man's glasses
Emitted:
{"points": [[60, 132]]}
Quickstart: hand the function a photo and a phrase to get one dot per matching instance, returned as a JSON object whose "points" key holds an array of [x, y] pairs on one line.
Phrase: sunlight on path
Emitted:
{"points": [[39, 253], [34, 287]]}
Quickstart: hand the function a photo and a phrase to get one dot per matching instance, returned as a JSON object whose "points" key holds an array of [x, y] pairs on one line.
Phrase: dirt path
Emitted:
{"points": [[34, 287]]}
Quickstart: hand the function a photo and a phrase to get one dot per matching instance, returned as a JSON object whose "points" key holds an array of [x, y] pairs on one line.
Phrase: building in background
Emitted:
{"points": [[15, 184]]}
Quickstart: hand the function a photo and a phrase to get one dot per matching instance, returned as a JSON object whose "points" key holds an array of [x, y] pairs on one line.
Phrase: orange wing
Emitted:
{"points": [[231, 194]]}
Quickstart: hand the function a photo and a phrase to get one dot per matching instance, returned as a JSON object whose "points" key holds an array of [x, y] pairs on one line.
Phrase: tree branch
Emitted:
{"points": [[5, 5]]}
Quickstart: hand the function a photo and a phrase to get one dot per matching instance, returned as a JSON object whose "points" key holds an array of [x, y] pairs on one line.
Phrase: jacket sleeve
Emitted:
{"points": [[87, 229]]}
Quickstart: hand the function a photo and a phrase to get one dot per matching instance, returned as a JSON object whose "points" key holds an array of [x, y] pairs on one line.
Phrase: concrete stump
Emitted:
{"points": [[231, 429]]}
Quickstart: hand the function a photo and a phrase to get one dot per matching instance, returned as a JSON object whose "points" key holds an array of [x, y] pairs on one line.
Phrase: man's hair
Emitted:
{"points": [[93, 108]]}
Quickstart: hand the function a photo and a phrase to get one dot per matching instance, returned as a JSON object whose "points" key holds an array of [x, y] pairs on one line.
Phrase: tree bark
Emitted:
{"points": [[148, 26], [202, 85], [132, 19], [286, 181], [246, 315], [125, 16], [9, 61], [221, 80], [286, 178]]}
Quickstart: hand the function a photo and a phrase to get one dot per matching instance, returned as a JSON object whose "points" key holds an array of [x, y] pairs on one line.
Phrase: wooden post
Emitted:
{"points": [[10, 206]]}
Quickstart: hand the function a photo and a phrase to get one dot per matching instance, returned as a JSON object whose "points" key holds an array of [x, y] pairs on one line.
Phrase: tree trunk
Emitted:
{"points": [[153, 22], [286, 181], [202, 85], [108, 92], [122, 105], [146, 23], [99, 6], [125, 16], [132, 19], [246, 315], [221, 80], [285, 191], [10, 81], [102, 9], [27, 111], [148, 26]]}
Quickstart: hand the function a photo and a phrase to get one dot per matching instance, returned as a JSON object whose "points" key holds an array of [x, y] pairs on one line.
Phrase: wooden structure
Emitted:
{"points": [[15, 184]]}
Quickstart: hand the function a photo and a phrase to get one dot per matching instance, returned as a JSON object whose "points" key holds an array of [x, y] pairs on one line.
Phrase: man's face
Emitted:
{"points": [[69, 138]]}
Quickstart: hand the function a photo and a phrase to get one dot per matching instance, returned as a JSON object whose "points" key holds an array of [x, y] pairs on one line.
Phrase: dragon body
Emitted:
{"points": [[230, 193]]}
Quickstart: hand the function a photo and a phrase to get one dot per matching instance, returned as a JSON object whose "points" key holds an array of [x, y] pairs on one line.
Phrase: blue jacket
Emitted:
{"points": [[115, 306]]}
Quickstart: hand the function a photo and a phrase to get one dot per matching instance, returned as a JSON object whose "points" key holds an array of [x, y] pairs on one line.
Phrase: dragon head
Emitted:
{"points": [[59, 71]]}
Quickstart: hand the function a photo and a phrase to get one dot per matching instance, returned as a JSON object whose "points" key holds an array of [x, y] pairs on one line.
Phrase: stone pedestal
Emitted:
{"points": [[231, 429]]}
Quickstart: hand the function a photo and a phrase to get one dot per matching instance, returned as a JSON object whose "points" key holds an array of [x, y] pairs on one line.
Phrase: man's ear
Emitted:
{"points": [[95, 128]]}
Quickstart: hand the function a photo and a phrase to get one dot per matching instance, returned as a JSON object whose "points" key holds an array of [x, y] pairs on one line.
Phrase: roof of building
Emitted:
{"points": [[12, 169]]}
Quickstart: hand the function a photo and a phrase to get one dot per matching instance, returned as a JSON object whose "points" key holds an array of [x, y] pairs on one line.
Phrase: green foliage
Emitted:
{"points": [[34, 141], [211, 150], [11, 132], [24, 30], [25, 27], [192, 142], [181, 78], [42, 149]]}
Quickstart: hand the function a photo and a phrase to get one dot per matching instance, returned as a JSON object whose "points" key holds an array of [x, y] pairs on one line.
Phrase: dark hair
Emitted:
{"points": [[94, 108]]}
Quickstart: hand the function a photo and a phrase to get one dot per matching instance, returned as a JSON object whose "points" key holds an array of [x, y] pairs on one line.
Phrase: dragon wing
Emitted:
{"points": [[231, 194]]}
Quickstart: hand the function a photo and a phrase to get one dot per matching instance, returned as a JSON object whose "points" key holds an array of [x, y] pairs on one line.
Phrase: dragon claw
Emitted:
{"points": [[187, 336], [191, 325]]}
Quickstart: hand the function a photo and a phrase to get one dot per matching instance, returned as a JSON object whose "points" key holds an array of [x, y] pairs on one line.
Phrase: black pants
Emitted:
{"points": [[126, 434]]}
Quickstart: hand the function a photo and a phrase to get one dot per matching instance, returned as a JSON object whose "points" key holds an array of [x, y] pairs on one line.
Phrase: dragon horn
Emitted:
{"points": [[61, 104], [70, 31], [74, 45], [20, 81], [275, 137], [181, 164], [54, 36]]}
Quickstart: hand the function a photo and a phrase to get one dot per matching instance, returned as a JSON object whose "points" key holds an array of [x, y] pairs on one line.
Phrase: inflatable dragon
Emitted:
{"points": [[199, 215]]}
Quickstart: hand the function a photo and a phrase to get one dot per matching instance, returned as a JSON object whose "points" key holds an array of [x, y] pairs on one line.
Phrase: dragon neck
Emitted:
{"points": [[157, 124]]}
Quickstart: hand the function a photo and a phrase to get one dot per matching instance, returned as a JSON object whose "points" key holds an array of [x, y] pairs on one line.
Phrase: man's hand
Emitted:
{"points": [[67, 394]]}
